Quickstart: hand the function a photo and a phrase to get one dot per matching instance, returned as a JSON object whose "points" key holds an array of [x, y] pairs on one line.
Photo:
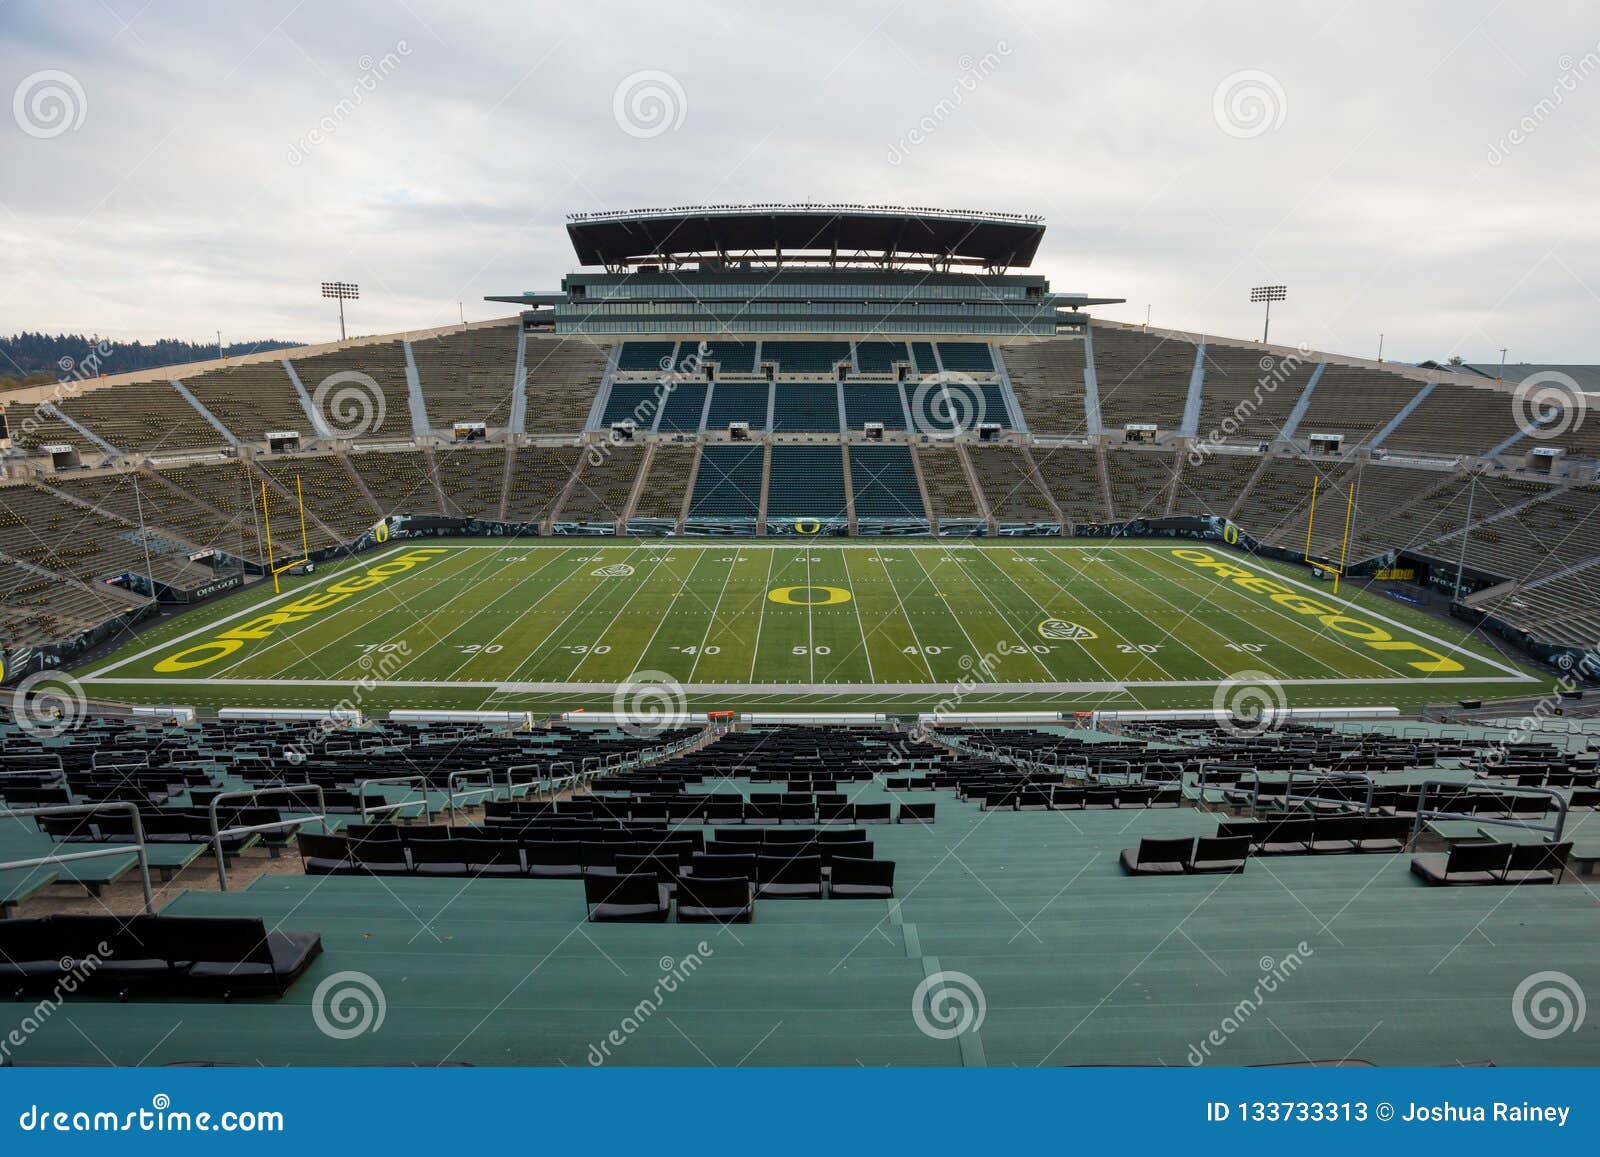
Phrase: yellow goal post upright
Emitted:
{"points": [[1344, 541], [305, 547]]}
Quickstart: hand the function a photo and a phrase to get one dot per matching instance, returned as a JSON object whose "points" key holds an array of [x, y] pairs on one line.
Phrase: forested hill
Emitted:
{"points": [[36, 358]]}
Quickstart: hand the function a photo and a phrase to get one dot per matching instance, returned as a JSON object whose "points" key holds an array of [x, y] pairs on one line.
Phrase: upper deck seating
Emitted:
{"points": [[468, 375]]}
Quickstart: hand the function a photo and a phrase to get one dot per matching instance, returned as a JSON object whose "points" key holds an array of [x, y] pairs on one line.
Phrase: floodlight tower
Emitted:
{"points": [[343, 292], [1268, 294]]}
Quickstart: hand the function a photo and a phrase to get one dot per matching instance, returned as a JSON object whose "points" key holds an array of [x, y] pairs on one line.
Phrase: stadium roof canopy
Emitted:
{"points": [[875, 235], [1585, 378]]}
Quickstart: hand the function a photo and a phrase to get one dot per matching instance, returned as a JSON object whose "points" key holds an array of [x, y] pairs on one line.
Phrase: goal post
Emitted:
{"points": [[305, 547], [1336, 569]]}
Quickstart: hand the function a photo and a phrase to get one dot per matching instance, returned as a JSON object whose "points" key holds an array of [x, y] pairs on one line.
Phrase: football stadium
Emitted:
{"points": [[908, 570], [801, 635]]}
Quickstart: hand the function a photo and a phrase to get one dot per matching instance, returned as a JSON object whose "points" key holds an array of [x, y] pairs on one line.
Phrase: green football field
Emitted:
{"points": [[883, 626]]}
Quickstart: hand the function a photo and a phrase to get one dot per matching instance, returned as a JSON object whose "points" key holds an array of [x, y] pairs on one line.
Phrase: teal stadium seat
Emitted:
{"points": [[728, 484], [806, 482]]}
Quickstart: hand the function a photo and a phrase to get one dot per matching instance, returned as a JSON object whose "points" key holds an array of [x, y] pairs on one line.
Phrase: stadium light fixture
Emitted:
{"points": [[1268, 294], [342, 291]]}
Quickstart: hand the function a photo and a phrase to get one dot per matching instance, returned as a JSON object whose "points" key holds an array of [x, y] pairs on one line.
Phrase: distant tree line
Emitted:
{"points": [[31, 359]]}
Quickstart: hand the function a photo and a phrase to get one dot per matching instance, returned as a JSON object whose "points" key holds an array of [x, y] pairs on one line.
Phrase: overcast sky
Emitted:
{"points": [[1424, 169]]}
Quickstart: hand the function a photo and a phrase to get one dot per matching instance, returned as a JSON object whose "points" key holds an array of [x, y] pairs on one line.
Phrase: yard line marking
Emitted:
{"points": [[1220, 584], [1360, 611], [1003, 617], [512, 587], [772, 555], [1140, 657], [472, 584], [570, 621], [665, 614], [861, 627], [910, 552], [1340, 600], [253, 608], [566, 550], [1050, 614], [362, 623], [977, 652], [520, 619], [716, 609], [836, 689], [901, 605], [811, 650]]}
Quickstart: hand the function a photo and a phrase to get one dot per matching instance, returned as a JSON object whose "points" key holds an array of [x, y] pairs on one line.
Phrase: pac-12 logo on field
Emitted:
{"points": [[615, 570], [1063, 631]]}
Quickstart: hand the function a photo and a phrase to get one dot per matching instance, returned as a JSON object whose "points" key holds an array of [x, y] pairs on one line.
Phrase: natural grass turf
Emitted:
{"points": [[558, 624]]}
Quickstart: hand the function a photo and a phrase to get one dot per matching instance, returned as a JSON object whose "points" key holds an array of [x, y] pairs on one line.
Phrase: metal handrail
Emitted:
{"points": [[251, 829], [386, 808], [1207, 766], [511, 784], [450, 787], [1349, 776], [60, 809], [1423, 812]]}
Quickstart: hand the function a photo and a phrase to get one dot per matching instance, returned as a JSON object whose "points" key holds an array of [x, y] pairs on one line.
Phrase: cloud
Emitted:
{"points": [[231, 157]]}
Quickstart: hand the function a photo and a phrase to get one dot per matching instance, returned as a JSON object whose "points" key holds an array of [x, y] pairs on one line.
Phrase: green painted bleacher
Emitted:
{"points": [[1078, 964]]}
